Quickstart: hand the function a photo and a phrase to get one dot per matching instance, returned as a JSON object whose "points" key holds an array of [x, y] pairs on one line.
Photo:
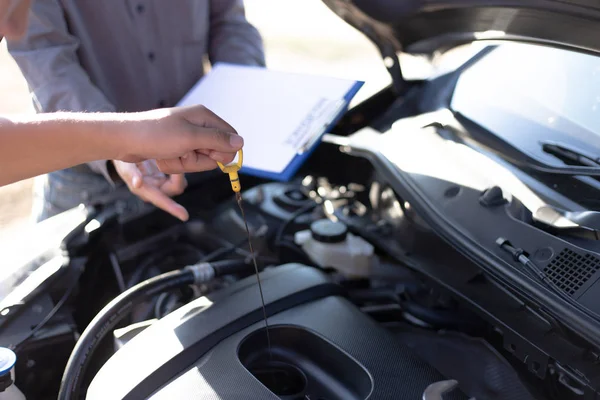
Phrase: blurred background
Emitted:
{"points": [[300, 36]]}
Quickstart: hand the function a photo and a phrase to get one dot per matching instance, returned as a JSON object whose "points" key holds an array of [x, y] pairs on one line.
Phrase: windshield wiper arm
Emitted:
{"points": [[469, 131], [571, 154]]}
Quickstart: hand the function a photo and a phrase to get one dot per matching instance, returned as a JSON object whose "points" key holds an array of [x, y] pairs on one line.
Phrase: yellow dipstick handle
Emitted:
{"points": [[232, 169]]}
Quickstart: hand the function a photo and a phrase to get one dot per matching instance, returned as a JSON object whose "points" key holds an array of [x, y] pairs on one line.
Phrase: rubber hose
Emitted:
{"points": [[155, 258], [291, 220], [105, 322], [228, 267]]}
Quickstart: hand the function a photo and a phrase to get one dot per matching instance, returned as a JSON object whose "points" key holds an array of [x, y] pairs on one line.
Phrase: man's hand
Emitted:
{"points": [[145, 180], [183, 139], [174, 141]]}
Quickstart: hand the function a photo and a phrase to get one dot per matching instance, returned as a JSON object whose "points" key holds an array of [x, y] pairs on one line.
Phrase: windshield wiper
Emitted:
{"points": [[570, 154], [581, 162], [469, 131]]}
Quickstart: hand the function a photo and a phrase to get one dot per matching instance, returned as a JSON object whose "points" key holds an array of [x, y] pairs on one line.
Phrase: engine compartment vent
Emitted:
{"points": [[570, 271]]}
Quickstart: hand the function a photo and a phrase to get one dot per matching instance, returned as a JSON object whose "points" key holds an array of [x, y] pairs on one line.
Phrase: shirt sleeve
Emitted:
{"points": [[47, 58], [232, 38]]}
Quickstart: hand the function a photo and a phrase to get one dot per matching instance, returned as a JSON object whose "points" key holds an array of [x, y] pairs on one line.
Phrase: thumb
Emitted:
{"points": [[215, 139], [136, 179], [130, 173]]}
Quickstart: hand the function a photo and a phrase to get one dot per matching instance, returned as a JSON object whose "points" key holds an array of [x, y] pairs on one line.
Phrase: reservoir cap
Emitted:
{"points": [[326, 231], [8, 358]]}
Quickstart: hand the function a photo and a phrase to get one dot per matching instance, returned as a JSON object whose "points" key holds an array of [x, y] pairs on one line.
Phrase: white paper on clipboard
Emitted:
{"points": [[277, 113]]}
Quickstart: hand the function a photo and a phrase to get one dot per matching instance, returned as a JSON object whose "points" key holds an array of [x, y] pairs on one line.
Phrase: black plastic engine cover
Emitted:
{"points": [[215, 348]]}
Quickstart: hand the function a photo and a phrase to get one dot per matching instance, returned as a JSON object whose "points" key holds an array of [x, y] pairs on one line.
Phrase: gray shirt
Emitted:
{"points": [[128, 55]]}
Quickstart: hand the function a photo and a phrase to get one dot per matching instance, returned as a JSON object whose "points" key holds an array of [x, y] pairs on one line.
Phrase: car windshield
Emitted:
{"points": [[529, 93]]}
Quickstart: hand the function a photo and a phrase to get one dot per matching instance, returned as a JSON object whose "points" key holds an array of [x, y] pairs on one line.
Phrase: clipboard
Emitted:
{"points": [[282, 116]]}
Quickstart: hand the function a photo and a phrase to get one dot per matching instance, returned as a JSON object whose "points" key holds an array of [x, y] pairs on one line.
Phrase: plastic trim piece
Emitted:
{"points": [[402, 182], [188, 333]]}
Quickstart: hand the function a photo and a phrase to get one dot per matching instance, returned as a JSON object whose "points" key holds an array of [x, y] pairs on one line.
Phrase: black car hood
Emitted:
{"points": [[426, 26]]}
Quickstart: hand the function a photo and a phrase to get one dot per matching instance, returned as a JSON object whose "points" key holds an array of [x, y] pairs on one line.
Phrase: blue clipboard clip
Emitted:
{"points": [[308, 142]]}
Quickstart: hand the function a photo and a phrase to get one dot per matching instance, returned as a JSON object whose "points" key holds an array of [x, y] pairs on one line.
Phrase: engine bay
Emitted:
{"points": [[348, 318]]}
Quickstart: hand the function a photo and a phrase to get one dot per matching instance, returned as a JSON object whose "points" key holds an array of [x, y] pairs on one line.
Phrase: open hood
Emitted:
{"points": [[426, 26]]}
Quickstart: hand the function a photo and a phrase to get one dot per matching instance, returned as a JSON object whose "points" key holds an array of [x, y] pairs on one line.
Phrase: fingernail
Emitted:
{"points": [[135, 181], [236, 141], [183, 214]]}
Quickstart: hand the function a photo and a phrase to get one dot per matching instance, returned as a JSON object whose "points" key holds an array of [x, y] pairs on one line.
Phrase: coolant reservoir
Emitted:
{"points": [[329, 244], [8, 390]]}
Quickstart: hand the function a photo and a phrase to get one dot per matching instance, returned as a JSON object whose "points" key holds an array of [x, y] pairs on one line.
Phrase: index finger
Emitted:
{"points": [[204, 117], [194, 162], [162, 201], [175, 185]]}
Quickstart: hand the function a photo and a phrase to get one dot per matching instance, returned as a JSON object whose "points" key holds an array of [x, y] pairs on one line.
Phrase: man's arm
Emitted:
{"points": [[182, 140], [47, 58], [232, 38], [50, 142]]}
